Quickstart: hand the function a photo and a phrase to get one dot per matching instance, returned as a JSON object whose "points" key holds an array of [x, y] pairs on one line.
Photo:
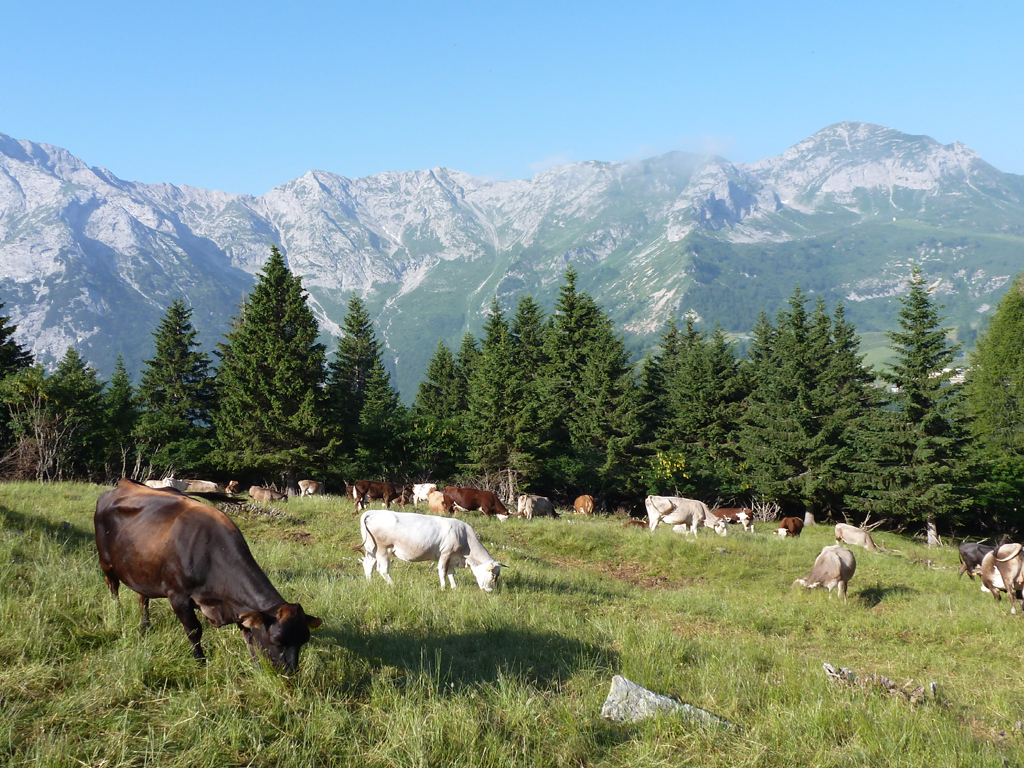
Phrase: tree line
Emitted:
{"points": [[552, 403]]}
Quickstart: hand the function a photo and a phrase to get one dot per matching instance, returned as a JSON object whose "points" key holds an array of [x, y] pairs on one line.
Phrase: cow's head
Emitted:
{"points": [[720, 527], [278, 634], [487, 574]]}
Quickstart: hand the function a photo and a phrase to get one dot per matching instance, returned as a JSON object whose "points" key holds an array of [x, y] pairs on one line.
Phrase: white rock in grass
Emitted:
{"points": [[628, 702]]}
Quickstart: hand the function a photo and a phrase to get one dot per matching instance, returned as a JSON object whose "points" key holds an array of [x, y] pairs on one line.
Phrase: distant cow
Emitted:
{"points": [[530, 506], [971, 555], [232, 487], [851, 534], [203, 486], [470, 499], [741, 515], [435, 501], [311, 488], [160, 543], [679, 512], [168, 482], [833, 568], [421, 492], [425, 538], [584, 505], [1002, 570], [257, 493], [370, 490], [790, 526]]}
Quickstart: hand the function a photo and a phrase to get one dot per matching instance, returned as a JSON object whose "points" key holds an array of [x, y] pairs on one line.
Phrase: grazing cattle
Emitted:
{"points": [[370, 490], [971, 555], [168, 482], [232, 487], [435, 501], [311, 488], [741, 515], [851, 534], [634, 523], [584, 505], [203, 486], [421, 492], [470, 499], [160, 543], [256, 493], [679, 512], [425, 538], [790, 526], [1002, 570], [834, 567], [530, 506]]}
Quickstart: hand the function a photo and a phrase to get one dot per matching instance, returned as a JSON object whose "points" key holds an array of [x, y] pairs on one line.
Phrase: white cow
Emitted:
{"points": [[530, 506], [311, 488], [833, 568], [851, 534], [425, 538], [421, 492], [679, 512], [169, 482]]}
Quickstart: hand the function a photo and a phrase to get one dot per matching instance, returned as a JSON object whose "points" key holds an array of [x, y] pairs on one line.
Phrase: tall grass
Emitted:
{"points": [[412, 676]]}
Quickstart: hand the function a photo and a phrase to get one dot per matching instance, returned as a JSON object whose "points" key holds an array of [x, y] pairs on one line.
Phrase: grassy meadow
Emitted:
{"points": [[412, 676]]}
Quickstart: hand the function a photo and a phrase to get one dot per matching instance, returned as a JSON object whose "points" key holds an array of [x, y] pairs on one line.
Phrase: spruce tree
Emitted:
{"points": [[120, 416], [357, 354], [438, 394], [176, 396], [75, 409], [13, 357], [270, 380], [381, 433], [437, 442]]}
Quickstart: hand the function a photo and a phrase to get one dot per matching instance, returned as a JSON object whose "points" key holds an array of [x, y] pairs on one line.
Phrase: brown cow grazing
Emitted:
{"points": [[584, 505], [790, 526], [160, 543], [741, 515], [470, 499], [256, 493], [364, 490], [311, 488], [435, 500]]}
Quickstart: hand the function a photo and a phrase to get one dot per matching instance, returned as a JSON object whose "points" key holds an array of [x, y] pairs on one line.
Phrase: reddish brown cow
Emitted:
{"points": [[469, 499], [741, 515], [790, 526], [161, 543], [363, 490], [584, 505]]}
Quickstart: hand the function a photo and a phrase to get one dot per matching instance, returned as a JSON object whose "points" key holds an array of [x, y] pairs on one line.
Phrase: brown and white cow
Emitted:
{"points": [[584, 505], [1002, 570], [531, 506], [258, 493], [421, 492], [790, 526], [851, 534], [232, 487], [371, 490], [734, 515], [161, 543], [679, 512], [471, 499], [311, 488], [833, 568]]}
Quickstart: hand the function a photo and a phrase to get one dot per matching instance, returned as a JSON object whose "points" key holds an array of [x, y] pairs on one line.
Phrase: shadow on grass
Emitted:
{"points": [[872, 596], [544, 659], [70, 536]]}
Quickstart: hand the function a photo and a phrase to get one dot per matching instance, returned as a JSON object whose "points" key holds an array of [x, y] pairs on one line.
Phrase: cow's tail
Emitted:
{"points": [[1016, 551], [364, 531]]}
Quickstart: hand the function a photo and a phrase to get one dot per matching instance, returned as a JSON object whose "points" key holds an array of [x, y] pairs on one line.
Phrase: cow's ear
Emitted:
{"points": [[313, 622], [251, 620], [500, 565]]}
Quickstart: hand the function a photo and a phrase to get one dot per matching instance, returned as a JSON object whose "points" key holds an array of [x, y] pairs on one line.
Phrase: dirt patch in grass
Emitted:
{"points": [[630, 571], [301, 537]]}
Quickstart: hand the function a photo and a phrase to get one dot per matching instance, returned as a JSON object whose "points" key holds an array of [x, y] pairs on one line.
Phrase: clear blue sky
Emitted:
{"points": [[243, 97]]}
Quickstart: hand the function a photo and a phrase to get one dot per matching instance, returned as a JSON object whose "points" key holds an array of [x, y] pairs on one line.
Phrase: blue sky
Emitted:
{"points": [[243, 97]]}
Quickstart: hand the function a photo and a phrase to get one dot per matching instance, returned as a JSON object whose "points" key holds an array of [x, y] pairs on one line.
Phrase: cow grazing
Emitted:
{"points": [[971, 555], [421, 492], [741, 515], [425, 538], [256, 493], [1002, 570], [530, 506], [160, 543], [790, 526], [851, 534], [435, 502], [833, 568], [370, 490], [311, 488], [472, 499], [679, 512], [584, 505]]}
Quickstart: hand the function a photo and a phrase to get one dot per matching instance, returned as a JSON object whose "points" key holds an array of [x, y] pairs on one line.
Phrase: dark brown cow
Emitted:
{"points": [[790, 526], [161, 543], [741, 515], [363, 490], [256, 493], [584, 505], [470, 499]]}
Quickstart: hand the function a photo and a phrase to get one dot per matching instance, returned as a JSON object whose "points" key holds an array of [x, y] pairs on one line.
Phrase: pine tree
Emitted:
{"points": [[438, 393], [270, 380], [357, 354], [120, 416], [381, 433], [437, 443], [176, 396], [13, 357], [75, 395]]}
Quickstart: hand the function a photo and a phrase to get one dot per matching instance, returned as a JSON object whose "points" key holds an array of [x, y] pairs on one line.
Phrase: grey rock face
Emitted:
{"points": [[628, 702]]}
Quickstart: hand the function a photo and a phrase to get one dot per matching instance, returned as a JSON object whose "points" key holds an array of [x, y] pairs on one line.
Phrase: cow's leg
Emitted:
{"points": [[185, 610], [841, 589], [144, 607], [652, 521], [442, 570], [383, 564]]}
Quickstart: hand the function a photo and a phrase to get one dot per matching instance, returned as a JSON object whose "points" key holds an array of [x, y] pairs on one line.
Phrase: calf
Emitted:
{"points": [[363, 490], [530, 506], [257, 493], [161, 543], [971, 554], [311, 488], [1002, 570], [678, 512], [834, 567], [584, 505], [790, 526], [741, 515], [425, 538], [850, 534], [421, 492], [470, 499]]}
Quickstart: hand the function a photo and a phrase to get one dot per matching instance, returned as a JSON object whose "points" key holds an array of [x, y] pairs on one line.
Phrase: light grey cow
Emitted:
{"points": [[531, 506], [1002, 570], [680, 513], [851, 534], [833, 569]]}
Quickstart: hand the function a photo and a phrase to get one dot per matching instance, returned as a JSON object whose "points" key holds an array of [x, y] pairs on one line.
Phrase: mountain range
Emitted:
{"points": [[90, 260]]}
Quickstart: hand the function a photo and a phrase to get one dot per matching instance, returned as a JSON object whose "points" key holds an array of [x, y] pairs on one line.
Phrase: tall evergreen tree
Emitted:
{"points": [[270, 380], [120, 417], [382, 438], [176, 396], [438, 393], [358, 353], [13, 357], [438, 443], [75, 395]]}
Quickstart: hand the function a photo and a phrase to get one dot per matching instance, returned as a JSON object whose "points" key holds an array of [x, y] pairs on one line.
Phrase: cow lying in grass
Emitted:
{"points": [[851, 534]]}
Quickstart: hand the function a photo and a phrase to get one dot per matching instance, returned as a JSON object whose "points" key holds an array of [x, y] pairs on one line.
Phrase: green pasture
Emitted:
{"points": [[411, 675]]}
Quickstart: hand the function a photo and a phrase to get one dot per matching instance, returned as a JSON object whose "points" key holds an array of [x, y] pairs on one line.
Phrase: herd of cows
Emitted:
{"points": [[161, 542]]}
